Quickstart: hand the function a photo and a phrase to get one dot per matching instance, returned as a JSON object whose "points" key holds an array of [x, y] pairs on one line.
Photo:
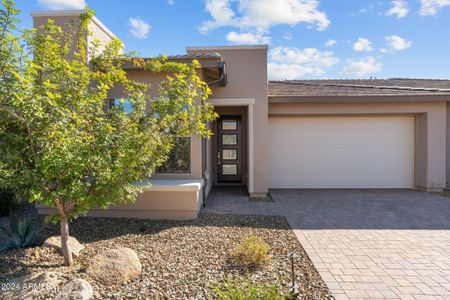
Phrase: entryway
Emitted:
{"points": [[229, 149]]}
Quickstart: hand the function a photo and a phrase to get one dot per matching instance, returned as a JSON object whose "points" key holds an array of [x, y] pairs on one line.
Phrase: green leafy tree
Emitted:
{"points": [[60, 144]]}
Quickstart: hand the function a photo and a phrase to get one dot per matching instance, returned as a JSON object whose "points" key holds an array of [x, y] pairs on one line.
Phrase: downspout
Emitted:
{"points": [[204, 163], [222, 81]]}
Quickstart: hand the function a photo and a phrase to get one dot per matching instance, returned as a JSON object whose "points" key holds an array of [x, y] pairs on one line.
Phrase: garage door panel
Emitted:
{"points": [[341, 152], [321, 181], [345, 137], [318, 123], [337, 167]]}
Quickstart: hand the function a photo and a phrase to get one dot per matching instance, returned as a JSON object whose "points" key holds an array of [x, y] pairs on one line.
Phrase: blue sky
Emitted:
{"points": [[308, 39]]}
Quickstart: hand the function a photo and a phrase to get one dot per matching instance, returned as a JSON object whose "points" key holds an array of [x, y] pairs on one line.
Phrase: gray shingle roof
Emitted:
{"points": [[359, 88], [195, 56], [202, 57]]}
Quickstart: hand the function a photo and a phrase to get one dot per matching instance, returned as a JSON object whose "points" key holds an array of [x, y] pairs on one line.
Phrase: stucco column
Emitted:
{"points": [[436, 148]]}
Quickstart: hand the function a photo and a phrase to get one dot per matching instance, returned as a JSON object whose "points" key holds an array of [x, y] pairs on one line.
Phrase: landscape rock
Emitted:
{"points": [[55, 242], [30, 286], [115, 266], [78, 289]]}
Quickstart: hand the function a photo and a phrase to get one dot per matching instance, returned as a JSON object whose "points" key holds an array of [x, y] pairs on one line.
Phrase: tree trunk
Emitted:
{"points": [[67, 252]]}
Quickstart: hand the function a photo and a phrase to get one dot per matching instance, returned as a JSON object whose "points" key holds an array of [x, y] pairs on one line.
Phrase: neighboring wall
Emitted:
{"points": [[430, 131], [65, 19], [247, 78], [100, 33]]}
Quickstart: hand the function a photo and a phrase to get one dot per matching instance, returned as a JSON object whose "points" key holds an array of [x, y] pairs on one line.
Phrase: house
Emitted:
{"points": [[323, 134]]}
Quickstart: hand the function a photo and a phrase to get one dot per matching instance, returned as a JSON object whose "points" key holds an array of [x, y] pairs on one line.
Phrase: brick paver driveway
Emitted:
{"points": [[366, 244]]}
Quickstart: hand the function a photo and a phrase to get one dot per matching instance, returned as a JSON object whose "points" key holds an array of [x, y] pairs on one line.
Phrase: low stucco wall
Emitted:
{"points": [[430, 131], [173, 202], [173, 205]]}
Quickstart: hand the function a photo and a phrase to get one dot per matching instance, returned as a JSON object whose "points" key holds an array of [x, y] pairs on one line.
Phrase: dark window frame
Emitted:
{"points": [[166, 168]]}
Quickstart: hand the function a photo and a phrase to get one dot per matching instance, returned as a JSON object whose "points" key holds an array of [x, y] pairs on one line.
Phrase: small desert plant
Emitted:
{"points": [[19, 233], [238, 288], [251, 252]]}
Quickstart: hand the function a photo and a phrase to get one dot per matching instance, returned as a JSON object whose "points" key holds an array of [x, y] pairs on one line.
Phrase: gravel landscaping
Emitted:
{"points": [[180, 259]]}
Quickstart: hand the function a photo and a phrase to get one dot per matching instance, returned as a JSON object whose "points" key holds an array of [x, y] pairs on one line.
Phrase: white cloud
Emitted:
{"points": [[171, 2], [399, 9], [288, 36], [62, 4], [330, 43], [248, 38], [362, 44], [371, 7], [361, 67], [139, 28], [291, 63], [288, 71], [304, 56], [260, 15], [397, 43], [431, 7]]}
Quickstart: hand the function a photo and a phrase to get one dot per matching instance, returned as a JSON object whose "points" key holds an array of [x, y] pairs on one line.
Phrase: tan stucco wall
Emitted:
{"points": [[58, 20], [67, 19], [448, 144], [209, 175], [430, 131], [98, 33], [174, 205], [247, 78]]}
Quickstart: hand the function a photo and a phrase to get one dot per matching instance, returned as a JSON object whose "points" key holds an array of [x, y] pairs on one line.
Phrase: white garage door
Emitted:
{"points": [[341, 152]]}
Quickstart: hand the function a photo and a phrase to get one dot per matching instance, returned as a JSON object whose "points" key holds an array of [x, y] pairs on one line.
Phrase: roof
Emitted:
{"points": [[359, 88], [233, 47], [195, 56], [204, 59]]}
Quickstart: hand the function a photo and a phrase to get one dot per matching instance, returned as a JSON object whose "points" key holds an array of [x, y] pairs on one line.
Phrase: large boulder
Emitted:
{"points": [[115, 266], [31, 286], [55, 242], [78, 289]]}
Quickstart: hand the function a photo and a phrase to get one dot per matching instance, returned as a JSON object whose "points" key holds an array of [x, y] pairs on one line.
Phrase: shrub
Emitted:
{"points": [[251, 252], [244, 289], [7, 201], [19, 233]]}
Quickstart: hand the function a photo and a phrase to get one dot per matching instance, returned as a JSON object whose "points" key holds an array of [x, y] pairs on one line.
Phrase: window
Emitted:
{"points": [[229, 124], [126, 104], [229, 139], [179, 160], [229, 154], [229, 169]]}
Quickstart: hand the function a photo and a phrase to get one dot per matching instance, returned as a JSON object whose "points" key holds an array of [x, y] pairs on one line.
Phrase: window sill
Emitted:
{"points": [[168, 185]]}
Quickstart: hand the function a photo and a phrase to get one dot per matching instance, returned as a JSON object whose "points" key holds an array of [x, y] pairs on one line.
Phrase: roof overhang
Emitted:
{"points": [[360, 99]]}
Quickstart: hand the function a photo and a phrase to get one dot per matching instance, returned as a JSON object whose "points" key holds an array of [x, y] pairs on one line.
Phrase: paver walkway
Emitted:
{"points": [[366, 244]]}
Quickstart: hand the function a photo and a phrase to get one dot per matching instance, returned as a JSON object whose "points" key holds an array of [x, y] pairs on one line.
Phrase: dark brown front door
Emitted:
{"points": [[229, 149]]}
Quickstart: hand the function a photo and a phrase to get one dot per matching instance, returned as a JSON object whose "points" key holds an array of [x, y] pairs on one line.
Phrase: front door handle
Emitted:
{"points": [[218, 157]]}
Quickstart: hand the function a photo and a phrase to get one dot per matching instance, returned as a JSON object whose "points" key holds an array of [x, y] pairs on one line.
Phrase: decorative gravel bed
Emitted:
{"points": [[180, 259]]}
